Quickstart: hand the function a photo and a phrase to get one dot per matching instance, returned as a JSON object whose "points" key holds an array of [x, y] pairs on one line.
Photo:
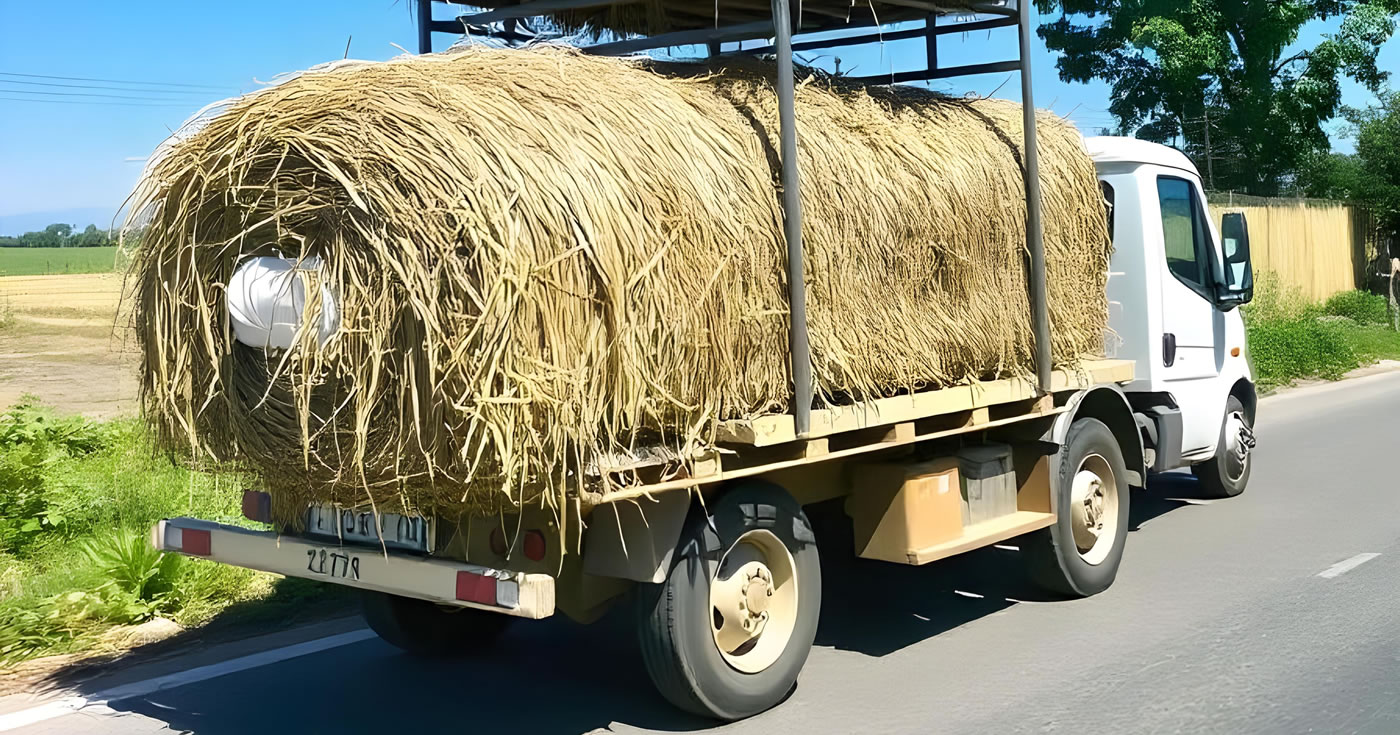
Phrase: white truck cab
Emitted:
{"points": [[1174, 289]]}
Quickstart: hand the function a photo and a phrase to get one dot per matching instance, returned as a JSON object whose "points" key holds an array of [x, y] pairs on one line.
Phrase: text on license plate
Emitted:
{"points": [[332, 563], [364, 526]]}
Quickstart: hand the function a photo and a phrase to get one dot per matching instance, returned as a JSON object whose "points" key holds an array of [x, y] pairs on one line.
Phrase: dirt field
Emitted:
{"points": [[59, 341]]}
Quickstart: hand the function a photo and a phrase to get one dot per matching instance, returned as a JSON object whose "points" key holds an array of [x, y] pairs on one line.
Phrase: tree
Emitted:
{"points": [[1378, 149], [91, 237], [1216, 70], [1328, 175], [59, 232], [60, 236], [1370, 177], [49, 237]]}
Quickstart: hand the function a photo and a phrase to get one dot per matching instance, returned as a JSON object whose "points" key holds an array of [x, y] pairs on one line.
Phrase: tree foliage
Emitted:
{"points": [[1229, 69], [60, 236], [1372, 175]]}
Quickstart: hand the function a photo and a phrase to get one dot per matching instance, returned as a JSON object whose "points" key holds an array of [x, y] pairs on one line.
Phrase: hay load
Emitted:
{"points": [[538, 259]]}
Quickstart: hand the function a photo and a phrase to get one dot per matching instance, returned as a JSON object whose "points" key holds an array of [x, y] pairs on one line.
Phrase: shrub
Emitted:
{"points": [[1359, 306], [133, 565], [1300, 347], [128, 485], [32, 439], [57, 621], [76, 498], [1290, 338], [28, 424], [22, 502], [1274, 301]]}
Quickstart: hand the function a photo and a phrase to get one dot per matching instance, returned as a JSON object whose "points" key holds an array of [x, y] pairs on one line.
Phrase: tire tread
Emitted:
{"points": [[1046, 557], [660, 654], [1210, 472], [674, 638]]}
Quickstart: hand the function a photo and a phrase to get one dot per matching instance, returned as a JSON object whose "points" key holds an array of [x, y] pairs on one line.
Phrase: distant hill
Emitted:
{"points": [[18, 224]]}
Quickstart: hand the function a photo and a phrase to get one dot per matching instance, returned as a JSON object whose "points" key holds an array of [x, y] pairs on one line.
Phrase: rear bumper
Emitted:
{"points": [[444, 582]]}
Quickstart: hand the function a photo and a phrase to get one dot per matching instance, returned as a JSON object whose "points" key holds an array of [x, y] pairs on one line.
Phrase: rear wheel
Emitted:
{"points": [[1226, 474], [729, 630], [427, 629], [1079, 555]]}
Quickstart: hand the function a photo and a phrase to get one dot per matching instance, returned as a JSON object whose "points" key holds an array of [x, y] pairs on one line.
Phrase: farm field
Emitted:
{"points": [[44, 261], [64, 344]]}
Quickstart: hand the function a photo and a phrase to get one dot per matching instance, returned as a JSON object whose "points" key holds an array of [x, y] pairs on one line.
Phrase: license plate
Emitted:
{"points": [[364, 526]]}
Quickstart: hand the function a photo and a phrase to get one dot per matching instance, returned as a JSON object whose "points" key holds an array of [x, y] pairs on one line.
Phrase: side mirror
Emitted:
{"points": [[1237, 285]]}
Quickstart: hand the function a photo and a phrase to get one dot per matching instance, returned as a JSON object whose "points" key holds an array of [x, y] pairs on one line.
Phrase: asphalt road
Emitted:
{"points": [[1219, 622]]}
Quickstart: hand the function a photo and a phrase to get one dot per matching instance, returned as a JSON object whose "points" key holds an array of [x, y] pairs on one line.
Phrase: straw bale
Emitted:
{"points": [[544, 259]]}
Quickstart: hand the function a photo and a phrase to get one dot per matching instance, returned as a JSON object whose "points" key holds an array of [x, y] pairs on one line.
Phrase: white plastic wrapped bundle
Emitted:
{"points": [[266, 300]]}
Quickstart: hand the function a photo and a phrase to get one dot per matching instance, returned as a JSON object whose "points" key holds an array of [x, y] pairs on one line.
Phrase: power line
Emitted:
{"points": [[85, 102], [108, 81], [100, 86], [86, 94]]}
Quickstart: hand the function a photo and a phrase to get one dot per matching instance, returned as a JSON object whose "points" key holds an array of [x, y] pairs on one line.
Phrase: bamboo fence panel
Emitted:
{"points": [[1322, 247]]}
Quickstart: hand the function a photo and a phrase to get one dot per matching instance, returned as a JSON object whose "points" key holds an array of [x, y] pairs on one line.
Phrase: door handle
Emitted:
{"points": [[1168, 349]]}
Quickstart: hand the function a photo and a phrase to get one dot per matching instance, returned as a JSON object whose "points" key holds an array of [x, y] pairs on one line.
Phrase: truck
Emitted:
{"points": [[721, 559]]}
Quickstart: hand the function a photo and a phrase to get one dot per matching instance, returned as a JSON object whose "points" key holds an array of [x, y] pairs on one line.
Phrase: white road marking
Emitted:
{"points": [[1342, 567], [1006, 547], [46, 711], [69, 705]]}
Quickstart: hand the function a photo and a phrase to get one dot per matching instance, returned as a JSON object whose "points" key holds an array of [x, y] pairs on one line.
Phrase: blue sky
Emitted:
{"points": [[84, 152]]}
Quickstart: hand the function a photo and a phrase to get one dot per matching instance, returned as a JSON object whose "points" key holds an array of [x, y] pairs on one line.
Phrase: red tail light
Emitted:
{"points": [[478, 588], [257, 506], [498, 542], [193, 541], [534, 545]]}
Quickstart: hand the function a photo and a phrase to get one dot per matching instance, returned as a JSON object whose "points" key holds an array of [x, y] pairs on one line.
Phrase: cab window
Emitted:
{"points": [[1184, 232]]}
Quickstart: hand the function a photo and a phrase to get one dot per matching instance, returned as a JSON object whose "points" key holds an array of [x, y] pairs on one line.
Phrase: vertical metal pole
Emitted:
{"points": [[931, 42], [798, 349], [1035, 235], [425, 22], [1210, 155]]}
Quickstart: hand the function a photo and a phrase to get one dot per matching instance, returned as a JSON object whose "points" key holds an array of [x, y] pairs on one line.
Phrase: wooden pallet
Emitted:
{"points": [[769, 444]]}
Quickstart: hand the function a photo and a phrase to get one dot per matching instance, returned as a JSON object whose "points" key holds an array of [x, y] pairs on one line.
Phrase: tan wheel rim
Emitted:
{"points": [[1093, 503], [753, 602]]}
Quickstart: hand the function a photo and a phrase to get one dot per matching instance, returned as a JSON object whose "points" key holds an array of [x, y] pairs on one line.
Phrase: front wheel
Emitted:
{"points": [[426, 629], [727, 633], [1226, 474], [1079, 555]]}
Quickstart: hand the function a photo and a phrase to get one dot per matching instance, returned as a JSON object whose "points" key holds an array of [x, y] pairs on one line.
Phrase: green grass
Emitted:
{"points": [[77, 500], [1291, 339], [1373, 342], [50, 261]]}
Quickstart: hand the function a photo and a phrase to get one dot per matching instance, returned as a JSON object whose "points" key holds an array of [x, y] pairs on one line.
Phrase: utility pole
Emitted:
{"points": [[1210, 154]]}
